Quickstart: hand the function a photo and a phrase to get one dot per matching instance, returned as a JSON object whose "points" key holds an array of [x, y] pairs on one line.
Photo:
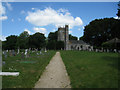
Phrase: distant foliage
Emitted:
{"points": [[10, 42], [37, 40], [72, 37], [101, 30], [118, 14], [24, 40]]}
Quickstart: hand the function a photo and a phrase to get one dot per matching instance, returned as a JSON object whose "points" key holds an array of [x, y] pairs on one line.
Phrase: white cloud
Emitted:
{"points": [[41, 30], [3, 17], [9, 6], [2, 12], [83, 27], [3, 38], [115, 17], [50, 16], [2, 9], [29, 32]]}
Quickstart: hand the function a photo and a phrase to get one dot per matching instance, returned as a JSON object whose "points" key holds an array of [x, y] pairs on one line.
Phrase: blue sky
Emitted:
{"points": [[31, 16]]}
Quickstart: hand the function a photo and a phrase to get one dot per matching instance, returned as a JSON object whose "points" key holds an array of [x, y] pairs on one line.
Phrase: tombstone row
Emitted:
{"points": [[23, 54]]}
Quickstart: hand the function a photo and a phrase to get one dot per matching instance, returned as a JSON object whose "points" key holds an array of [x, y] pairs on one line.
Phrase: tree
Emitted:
{"points": [[37, 40], [101, 30], [22, 41], [118, 14], [53, 36], [60, 45], [72, 37], [52, 40], [10, 42]]}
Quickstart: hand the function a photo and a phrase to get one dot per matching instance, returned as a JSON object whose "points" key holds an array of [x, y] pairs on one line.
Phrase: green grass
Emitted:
{"points": [[29, 72], [91, 69]]}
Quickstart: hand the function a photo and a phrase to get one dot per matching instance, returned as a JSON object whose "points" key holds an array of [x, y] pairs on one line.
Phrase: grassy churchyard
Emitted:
{"points": [[30, 69], [91, 69], [85, 69]]}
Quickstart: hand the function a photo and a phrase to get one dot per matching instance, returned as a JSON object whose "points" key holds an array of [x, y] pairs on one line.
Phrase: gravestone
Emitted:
{"points": [[107, 50], [22, 55], [3, 62], [37, 53], [29, 49], [45, 50], [26, 53], [115, 50], [96, 50], [5, 54], [40, 52], [9, 73], [18, 51], [104, 50], [13, 53], [10, 53]]}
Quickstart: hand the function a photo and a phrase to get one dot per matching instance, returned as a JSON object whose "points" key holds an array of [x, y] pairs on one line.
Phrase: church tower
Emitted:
{"points": [[63, 35]]}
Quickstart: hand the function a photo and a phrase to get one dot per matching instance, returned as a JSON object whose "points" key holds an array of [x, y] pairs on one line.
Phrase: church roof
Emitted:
{"points": [[114, 40], [78, 42]]}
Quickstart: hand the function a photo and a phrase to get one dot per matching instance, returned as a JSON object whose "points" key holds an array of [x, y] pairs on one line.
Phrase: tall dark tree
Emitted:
{"points": [[118, 13], [37, 40], [60, 45], [101, 30], [52, 40], [10, 42], [72, 37], [53, 36], [22, 41]]}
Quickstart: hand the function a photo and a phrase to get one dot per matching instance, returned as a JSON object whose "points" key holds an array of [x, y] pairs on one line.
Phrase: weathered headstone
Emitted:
{"points": [[13, 53], [107, 50], [104, 50], [45, 50], [10, 53], [22, 55], [6, 50], [18, 51], [9, 73], [3, 62], [37, 53], [40, 52], [115, 50], [29, 49], [96, 50], [5, 53], [26, 53]]}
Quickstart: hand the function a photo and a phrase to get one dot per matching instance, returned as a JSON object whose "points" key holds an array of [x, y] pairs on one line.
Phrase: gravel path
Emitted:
{"points": [[55, 75]]}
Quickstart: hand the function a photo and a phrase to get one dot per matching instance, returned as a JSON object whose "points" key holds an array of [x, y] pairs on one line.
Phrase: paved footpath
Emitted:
{"points": [[55, 75]]}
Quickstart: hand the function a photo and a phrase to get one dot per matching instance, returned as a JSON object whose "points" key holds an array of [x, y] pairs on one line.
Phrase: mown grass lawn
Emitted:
{"points": [[91, 69], [29, 71]]}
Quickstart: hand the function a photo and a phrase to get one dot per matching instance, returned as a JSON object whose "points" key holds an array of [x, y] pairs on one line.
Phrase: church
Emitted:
{"points": [[63, 35]]}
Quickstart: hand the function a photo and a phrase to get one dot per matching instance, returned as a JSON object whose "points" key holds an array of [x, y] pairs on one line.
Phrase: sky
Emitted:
{"points": [[46, 17]]}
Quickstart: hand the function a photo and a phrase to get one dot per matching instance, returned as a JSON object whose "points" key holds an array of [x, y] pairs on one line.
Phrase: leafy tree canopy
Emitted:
{"points": [[101, 30]]}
